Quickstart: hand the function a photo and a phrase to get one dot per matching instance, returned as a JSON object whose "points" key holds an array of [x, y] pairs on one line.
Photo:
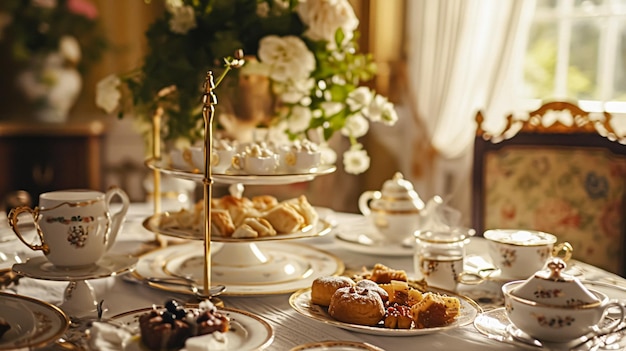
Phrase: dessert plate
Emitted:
{"points": [[242, 178], [40, 268], [34, 323], [301, 302], [337, 345], [247, 332], [152, 224], [281, 268]]}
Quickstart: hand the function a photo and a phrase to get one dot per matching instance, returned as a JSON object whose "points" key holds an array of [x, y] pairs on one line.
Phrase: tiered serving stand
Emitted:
{"points": [[244, 266]]}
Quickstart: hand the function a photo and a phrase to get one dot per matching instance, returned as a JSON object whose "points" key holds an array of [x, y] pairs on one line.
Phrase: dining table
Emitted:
{"points": [[120, 293]]}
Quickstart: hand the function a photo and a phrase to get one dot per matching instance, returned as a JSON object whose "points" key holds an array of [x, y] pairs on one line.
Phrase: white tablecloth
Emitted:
{"points": [[290, 328]]}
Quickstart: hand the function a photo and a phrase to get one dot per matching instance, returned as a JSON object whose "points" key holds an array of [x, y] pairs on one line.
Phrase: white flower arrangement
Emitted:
{"points": [[307, 49]]}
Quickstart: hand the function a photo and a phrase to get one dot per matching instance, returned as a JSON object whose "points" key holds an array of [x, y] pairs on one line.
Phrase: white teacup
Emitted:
{"points": [[253, 164], [221, 160], [519, 253], [75, 227]]}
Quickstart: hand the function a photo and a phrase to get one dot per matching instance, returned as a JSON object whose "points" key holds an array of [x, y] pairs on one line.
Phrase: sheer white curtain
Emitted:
{"points": [[462, 57]]}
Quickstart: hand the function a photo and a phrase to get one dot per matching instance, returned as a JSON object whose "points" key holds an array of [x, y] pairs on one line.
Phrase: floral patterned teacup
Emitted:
{"points": [[75, 227], [519, 253], [561, 323]]}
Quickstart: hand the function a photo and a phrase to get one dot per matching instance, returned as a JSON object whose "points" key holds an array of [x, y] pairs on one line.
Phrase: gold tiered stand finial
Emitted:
{"points": [[208, 112]]}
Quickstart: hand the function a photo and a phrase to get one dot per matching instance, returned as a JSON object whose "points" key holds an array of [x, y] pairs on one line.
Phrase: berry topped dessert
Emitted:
{"points": [[171, 326]]}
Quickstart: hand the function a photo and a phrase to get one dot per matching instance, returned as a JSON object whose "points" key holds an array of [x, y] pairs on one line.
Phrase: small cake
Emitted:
{"points": [[323, 288], [169, 328], [398, 317], [357, 305], [435, 310], [372, 285]]}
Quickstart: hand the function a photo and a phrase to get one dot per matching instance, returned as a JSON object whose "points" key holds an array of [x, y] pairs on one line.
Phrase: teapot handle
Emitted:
{"points": [[364, 201]]}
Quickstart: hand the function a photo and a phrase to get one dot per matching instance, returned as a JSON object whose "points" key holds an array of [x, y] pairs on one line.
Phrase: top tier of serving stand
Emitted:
{"points": [[237, 261]]}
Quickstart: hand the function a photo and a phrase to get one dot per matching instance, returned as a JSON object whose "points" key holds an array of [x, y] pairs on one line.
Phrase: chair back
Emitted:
{"points": [[559, 169]]}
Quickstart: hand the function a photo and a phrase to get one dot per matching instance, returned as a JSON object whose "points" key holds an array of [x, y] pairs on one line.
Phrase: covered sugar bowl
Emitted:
{"points": [[557, 307], [394, 210]]}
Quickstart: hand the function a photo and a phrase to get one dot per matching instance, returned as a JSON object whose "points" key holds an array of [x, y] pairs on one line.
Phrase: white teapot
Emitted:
{"points": [[395, 210]]}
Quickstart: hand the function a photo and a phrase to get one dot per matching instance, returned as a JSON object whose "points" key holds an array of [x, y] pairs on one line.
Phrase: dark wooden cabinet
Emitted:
{"points": [[40, 157]]}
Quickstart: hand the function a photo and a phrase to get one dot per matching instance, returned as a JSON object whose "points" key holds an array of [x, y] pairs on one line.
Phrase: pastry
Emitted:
{"points": [[261, 226], [356, 305], [435, 310], [221, 223], [323, 288], [170, 327], [382, 274], [304, 208], [245, 231], [284, 218], [398, 316], [372, 285]]}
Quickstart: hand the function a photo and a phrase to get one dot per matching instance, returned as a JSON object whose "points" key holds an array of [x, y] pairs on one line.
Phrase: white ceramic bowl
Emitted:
{"points": [[557, 323]]}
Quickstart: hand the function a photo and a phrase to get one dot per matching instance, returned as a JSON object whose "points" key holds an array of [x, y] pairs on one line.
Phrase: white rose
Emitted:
{"points": [[359, 98], [356, 126], [107, 93], [288, 57], [378, 108], [183, 19], [299, 119], [324, 17], [356, 160], [331, 108], [298, 92], [70, 49]]}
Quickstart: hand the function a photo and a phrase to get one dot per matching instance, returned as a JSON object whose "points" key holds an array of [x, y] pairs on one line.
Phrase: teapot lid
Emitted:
{"points": [[552, 286], [397, 185]]}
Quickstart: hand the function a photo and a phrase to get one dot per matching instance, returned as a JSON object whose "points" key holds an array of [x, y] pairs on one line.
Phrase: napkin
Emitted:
{"points": [[108, 337]]}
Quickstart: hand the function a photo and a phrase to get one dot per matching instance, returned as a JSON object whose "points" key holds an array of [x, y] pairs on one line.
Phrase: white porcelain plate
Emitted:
{"points": [[41, 268], [247, 332], [242, 178], [33, 323], [361, 242], [337, 345], [301, 302], [288, 266], [151, 223]]}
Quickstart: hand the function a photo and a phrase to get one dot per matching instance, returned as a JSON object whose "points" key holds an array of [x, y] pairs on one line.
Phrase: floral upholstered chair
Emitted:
{"points": [[560, 170]]}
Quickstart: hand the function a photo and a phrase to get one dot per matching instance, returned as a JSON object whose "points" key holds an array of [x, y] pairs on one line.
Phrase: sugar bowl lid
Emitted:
{"points": [[553, 287]]}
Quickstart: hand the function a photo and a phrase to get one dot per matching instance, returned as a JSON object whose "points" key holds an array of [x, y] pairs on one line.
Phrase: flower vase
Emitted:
{"points": [[51, 88]]}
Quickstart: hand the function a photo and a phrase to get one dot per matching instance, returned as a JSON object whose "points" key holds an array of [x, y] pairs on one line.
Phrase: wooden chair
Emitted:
{"points": [[560, 170]]}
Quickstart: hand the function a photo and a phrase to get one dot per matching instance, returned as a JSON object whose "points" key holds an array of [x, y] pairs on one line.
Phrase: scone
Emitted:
{"points": [[323, 288], [357, 306]]}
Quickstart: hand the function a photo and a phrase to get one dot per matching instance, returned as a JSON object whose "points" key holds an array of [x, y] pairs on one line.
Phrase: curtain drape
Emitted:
{"points": [[463, 55]]}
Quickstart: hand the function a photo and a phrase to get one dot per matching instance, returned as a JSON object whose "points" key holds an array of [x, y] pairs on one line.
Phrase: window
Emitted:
{"points": [[577, 50]]}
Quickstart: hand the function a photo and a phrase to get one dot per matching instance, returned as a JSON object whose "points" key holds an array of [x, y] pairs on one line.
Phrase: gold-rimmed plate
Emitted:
{"points": [[152, 223], [301, 302], [232, 177], [33, 323], [248, 331], [337, 345], [288, 267]]}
